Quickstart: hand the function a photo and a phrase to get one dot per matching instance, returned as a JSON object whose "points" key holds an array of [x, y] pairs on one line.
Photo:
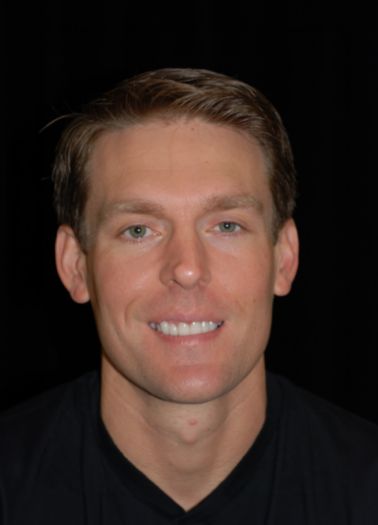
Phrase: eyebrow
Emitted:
{"points": [[136, 206], [211, 204], [230, 202]]}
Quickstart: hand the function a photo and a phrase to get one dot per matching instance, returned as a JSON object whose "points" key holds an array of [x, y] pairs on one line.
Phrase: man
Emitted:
{"points": [[175, 194]]}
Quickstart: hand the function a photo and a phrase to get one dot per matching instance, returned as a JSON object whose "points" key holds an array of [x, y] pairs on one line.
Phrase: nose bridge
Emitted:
{"points": [[185, 260]]}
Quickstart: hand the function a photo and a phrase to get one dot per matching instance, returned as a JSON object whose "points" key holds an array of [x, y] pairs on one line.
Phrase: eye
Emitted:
{"points": [[229, 227], [137, 231]]}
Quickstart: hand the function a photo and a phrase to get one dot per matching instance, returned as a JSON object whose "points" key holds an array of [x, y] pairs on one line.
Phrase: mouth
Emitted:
{"points": [[186, 329]]}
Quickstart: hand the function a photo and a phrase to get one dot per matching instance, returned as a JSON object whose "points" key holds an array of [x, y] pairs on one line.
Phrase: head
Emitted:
{"points": [[170, 94], [175, 193]]}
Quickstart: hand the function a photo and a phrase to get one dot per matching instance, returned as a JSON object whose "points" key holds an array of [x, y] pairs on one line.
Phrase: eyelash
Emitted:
{"points": [[230, 223], [126, 231]]}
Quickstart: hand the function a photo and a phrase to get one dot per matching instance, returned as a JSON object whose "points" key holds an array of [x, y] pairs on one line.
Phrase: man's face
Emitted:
{"points": [[181, 269]]}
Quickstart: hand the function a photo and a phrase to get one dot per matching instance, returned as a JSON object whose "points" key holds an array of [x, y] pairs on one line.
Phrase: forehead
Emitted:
{"points": [[175, 160]]}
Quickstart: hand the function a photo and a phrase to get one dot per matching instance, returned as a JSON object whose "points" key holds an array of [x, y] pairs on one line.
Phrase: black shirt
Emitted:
{"points": [[312, 463]]}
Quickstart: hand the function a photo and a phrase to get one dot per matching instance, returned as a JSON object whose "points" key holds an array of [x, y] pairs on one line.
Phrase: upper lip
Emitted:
{"points": [[188, 321], [184, 318]]}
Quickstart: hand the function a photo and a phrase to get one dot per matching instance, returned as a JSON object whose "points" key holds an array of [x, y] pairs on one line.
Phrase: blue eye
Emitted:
{"points": [[137, 232], [229, 227]]}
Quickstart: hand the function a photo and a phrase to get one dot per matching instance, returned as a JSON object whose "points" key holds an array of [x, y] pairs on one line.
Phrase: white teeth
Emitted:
{"points": [[196, 327]]}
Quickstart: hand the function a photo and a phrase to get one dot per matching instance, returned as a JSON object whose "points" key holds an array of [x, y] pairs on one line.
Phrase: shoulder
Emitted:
{"points": [[41, 448], [335, 449], [323, 418], [27, 429]]}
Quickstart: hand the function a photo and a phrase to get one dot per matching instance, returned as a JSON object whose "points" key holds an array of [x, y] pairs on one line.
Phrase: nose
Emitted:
{"points": [[185, 262]]}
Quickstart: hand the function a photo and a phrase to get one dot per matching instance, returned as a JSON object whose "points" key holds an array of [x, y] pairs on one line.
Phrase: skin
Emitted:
{"points": [[184, 410]]}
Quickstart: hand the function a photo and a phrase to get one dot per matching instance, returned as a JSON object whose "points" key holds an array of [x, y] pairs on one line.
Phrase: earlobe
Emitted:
{"points": [[71, 264], [287, 254]]}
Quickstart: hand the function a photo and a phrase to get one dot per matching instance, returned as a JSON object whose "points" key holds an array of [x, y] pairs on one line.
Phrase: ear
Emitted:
{"points": [[286, 254], [71, 264]]}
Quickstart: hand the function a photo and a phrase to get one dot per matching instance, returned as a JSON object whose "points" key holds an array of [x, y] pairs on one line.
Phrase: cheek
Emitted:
{"points": [[248, 278], [116, 284]]}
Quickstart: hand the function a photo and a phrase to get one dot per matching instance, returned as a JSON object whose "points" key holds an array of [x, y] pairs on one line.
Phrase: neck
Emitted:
{"points": [[186, 450]]}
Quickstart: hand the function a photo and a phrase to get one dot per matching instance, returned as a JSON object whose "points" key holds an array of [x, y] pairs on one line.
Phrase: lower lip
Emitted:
{"points": [[189, 339]]}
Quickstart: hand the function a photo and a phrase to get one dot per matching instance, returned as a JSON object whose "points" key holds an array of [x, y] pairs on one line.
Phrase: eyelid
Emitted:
{"points": [[126, 230], [242, 217], [239, 227]]}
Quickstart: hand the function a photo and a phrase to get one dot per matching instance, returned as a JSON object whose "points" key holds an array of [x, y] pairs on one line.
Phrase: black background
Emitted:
{"points": [[322, 75]]}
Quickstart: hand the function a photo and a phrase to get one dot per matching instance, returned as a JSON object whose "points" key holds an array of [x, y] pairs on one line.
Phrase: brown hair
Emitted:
{"points": [[171, 93]]}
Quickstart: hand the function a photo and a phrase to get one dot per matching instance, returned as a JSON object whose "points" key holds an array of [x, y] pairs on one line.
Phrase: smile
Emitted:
{"points": [[183, 329]]}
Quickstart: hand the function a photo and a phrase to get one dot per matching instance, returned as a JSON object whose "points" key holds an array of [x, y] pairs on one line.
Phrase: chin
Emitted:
{"points": [[194, 386]]}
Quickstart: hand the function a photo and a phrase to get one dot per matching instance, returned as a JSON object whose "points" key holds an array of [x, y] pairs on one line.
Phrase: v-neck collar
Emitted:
{"points": [[144, 489]]}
